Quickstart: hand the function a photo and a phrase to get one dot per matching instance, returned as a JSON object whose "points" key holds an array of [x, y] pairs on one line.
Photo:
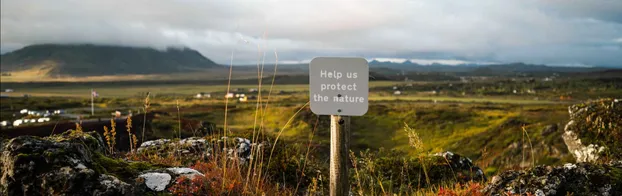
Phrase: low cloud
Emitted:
{"points": [[552, 32]]}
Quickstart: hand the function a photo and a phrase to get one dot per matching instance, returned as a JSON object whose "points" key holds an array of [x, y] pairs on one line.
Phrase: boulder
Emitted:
{"points": [[575, 179], [56, 165], [594, 131], [74, 163], [158, 181], [199, 148], [193, 146], [464, 165]]}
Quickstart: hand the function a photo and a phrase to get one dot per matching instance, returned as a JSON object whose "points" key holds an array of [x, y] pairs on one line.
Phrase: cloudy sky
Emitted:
{"points": [[555, 32]]}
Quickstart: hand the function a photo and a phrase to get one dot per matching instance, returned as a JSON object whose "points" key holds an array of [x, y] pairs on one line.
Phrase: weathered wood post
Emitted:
{"points": [[339, 147]]}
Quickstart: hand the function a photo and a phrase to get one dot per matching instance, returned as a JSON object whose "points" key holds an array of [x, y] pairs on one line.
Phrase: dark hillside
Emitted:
{"points": [[95, 60]]}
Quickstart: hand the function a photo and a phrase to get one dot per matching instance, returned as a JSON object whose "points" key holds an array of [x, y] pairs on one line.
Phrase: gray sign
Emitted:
{"points": [[339, 86]]}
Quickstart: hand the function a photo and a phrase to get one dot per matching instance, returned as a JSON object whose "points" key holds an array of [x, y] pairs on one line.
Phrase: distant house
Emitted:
{"points": [[397, 92], [17, 122], [229, 95], [8, 90], [203, 95], [240, 95], [253, 90]]}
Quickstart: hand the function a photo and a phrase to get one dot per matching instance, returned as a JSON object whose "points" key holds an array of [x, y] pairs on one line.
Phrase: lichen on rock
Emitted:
{"points": [[157, 181], [195, 146], [56, 165], [577, 179], [594, 131]]}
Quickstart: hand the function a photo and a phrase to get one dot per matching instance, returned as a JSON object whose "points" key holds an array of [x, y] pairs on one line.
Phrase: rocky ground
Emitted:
{"points": [[594, 137], [580, 179], [74, 163]]}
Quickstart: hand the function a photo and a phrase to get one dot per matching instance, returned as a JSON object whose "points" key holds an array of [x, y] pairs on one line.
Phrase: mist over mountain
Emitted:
{"points": [[93, 60], [483, 69]]}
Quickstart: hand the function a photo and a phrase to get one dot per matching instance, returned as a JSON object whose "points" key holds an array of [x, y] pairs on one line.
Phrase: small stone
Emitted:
{"points": [[156, 181], [495, 180]]}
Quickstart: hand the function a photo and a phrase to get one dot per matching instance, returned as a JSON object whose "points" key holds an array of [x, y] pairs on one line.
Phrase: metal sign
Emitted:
{"points": [[339, 86]]}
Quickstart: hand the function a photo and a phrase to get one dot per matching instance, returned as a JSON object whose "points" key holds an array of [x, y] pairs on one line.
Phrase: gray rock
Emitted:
{"points": [[158, 181], [199, 148], [581, 152], [458, 162], [593, 132], [188, 147], [579, 179], [56, 165]]}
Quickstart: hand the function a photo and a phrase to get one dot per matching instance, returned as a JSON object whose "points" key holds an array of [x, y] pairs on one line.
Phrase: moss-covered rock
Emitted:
{"points": [[594, 131], [188, 147], [574, 179], [71, 163], [194, 149]]}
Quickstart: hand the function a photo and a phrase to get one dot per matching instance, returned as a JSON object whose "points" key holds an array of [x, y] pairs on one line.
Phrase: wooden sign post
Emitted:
{"points": [[339, 143], [339, 87]]}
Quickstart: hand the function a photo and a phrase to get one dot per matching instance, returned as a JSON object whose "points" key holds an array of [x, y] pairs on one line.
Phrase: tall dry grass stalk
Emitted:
{"points": [[110, 135], [224, 160], [357, 178], [135, 142], [78, 128], [128, 126], [533, 155], [177, 147], [317, 120], [263, 114], [254, 137], [283, 128], [413, 138], [417, 143], [146, 110]]}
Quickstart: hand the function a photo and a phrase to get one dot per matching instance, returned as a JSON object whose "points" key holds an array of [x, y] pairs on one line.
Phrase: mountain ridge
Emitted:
{"points": [[94, 60]]}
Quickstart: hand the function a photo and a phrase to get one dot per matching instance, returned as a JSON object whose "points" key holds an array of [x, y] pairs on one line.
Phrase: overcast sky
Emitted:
{"points": [[556, 32]]}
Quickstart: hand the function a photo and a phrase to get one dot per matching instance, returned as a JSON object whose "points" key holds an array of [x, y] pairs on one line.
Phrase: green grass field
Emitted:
{"points": [[483, 125]]}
